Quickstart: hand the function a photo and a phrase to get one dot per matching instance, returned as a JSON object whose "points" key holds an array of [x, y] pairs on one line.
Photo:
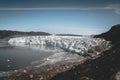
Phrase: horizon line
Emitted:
{"points": [[83, 8]]}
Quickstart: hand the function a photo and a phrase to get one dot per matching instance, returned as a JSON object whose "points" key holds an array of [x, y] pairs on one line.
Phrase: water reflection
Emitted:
{"points": [[60, 55], [4, 44], [39, 47]]}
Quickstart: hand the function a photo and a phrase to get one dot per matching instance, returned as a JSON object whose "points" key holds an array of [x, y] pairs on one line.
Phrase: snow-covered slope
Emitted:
{"points": [[75, 44]]}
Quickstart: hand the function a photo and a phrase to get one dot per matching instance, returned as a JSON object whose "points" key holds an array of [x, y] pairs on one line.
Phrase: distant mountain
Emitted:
{"points": [[68, 35], [112, 35], [9, 33]]}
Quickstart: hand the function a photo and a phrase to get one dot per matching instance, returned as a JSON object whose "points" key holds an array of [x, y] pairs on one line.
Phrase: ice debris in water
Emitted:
{"points": [[8, 60], [24, 71], [8, 65], [31, 75]]}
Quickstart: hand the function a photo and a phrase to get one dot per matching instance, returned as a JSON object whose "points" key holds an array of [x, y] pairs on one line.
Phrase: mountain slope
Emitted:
{"points": [[8, 33], [112, 35]]}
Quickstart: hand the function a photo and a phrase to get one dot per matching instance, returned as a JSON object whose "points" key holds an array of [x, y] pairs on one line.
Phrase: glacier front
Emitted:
{"points": [[82, 45]]}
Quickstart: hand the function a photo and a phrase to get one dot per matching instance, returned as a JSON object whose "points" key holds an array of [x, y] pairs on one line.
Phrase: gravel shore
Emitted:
{"points": [[45, 72]]}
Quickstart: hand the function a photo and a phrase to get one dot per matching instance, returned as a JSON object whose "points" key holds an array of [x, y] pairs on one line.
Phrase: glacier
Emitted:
{"points": [[76, 44]]}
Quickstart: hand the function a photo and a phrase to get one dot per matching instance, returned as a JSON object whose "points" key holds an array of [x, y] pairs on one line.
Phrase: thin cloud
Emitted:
{"points": [[114, 7]]}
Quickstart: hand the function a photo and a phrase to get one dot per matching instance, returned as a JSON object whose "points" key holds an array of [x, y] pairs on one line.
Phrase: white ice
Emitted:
{"points": [[67, 44]]}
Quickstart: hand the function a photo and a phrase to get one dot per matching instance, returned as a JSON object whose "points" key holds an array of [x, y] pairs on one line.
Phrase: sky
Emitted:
{"points": [[84, 17]]}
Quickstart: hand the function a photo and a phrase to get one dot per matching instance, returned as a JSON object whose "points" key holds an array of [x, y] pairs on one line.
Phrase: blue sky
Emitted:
{"points": [[60, 16]]}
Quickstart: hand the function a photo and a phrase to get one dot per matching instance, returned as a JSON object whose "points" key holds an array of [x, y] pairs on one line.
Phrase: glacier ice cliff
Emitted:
{"points": [[80, 45]]}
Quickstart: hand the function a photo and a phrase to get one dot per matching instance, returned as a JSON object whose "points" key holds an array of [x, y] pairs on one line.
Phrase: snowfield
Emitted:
{"points": [[80, 45]]}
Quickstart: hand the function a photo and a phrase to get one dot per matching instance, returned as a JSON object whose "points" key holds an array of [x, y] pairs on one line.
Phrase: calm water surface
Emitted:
{"points": [[20, 57]]}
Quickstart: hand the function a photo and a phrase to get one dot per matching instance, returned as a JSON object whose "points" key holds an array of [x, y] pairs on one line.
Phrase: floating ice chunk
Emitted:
{"points": [[24, 71], [31, 75], [8, 65], [8, 60]]}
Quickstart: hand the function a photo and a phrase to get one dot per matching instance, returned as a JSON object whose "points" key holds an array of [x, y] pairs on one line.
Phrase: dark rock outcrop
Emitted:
{"points": [[112, 35]]}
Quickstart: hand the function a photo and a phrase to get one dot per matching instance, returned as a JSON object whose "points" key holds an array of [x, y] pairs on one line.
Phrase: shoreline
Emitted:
{"points": [[44, 72]]}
